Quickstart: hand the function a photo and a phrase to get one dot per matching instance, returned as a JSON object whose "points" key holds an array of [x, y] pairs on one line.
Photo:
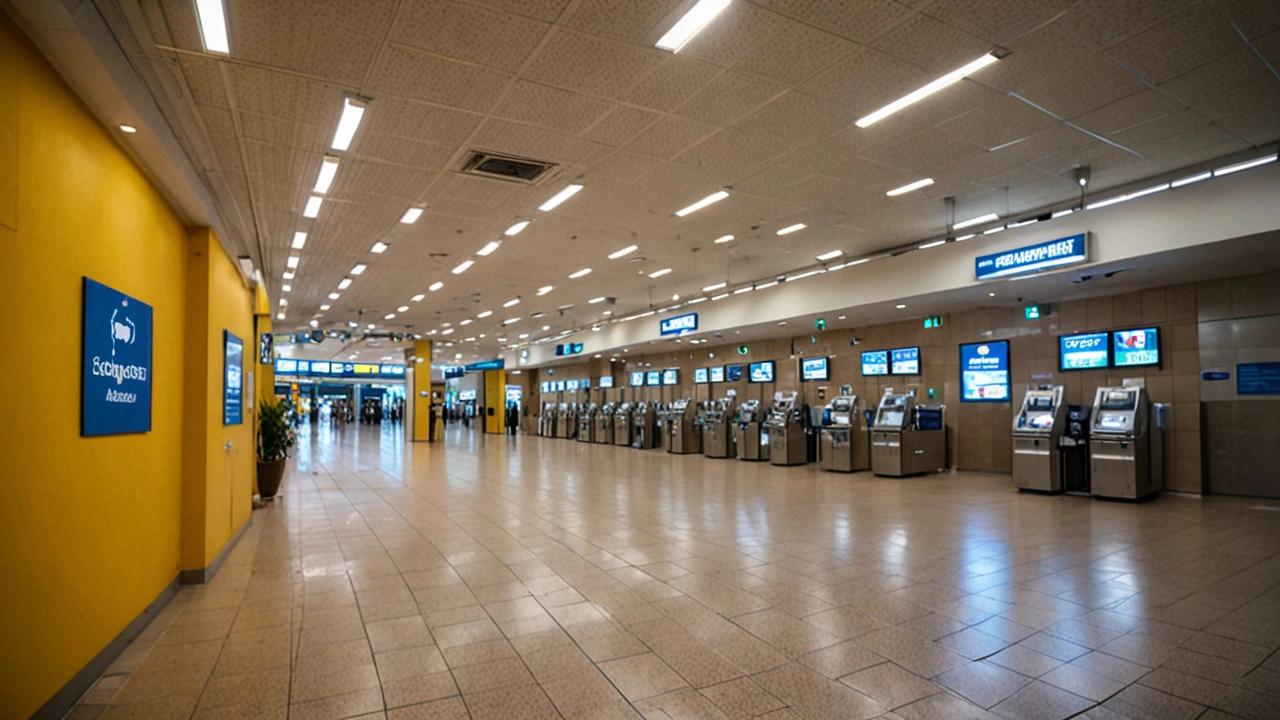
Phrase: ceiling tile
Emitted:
{"points": [[1129, 111], [1183, 42], [419, 76], [547, 10], [552, 108], [1090, 84], [403, 118], [999, 122], [865, 81], [1160, 128], [997, 21], [795, 117], [321, 41], [469, 32], [621, 124], [629, 22], [924, 150], [931, 45], [591, 65], [776, 58], [669, 136], [730, 155], [860, 22], [1212, 85], [672, 83], [1057, 138], [730, 37], [728, 97], [1202, 143], [1260, 127]]}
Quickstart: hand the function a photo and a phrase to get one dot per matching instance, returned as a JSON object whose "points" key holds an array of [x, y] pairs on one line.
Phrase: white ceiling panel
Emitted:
{"points": [[545, 106], [417, 75], [728, 97], [1073, 91], [468, 32], [860, 22], [322, 42], [673, 83], [592, 65], [1178, 44], [628, 22]]}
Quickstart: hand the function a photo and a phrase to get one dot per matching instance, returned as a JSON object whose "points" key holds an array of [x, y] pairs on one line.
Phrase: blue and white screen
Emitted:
{"points": [[1136, 347], [1082, 352]]}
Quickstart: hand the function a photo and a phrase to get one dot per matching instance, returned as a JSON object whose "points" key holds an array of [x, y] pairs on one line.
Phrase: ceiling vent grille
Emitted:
{"points": [[508, 168]]}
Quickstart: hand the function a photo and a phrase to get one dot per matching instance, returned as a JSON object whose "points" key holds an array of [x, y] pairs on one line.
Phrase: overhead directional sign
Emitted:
{"points": [[1033, 258], [679, 324]]}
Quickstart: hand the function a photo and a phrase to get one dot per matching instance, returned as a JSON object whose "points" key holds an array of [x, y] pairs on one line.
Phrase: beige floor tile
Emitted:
{"points": [[418, 689], [398, 634], [890, 685], [742, 698], [839, 660], [943, 706], [982, 683], [410, 662], [1142, 703], [492, 675], [1040, 701], [684, 704], [642, 676], [814, 696], [1024, 661], [336, 707], [788, 635]]}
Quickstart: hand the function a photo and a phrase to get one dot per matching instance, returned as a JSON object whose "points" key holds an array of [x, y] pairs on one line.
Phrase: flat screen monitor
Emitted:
{"points": [[546, 387], [606, 381], [733, 373], [761, 372], [637, 379], [671, 376], [1083, 352], [653, 377], [571, 385], [717, 374], [701, 376], [319, 368], [285, 366], [585, 383], [984, 372], [906, 361], [815, 369], [561, 385], [1136, 348], [875, 362]]}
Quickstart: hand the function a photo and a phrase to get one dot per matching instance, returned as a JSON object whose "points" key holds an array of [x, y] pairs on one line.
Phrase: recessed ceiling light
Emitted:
{"points": [[792, 228], [515, 229], [962, 238], [991, 294], [830, 255], [417, 298], [411, 215], [352, 111], [713, 288], [279, 316], [344, 283], [546, 327], [691, 24], [128, 129], [378, 248], [522, 336], [511, 303], [283, 302], [389, 316], [711, 199], [485, 314], [933, 244], [545, 289], [624, 252], [299, 239], [487, 249], [446, 332], [509, 321], [334, 296], [286, 288], [435, 286], [742, 290], [659, 273], [593, 301], [976, 221], [909, 187], [724, 239], [328, 170], [581, 273], [462, 267], [900, 306], [213, 26], [403, 308], [840, 317], [468, 321], [292, 261], [559, 198], [288, 275], [313, 206], [359, 268], [324, 308], [924, 92]]}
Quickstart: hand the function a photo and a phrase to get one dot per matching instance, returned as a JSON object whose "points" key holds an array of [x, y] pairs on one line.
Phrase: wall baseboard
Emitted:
{"points": [[203, 575]]}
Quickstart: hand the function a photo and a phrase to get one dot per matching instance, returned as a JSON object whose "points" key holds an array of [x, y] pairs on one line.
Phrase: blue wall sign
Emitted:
{"points": [[232, 379], [875, 362], [485, 365], [984, 372], [1032, 258], [1083, 352], [115, 393], [1258, 378], [906, 361], [1215, 375], [679, 324]]}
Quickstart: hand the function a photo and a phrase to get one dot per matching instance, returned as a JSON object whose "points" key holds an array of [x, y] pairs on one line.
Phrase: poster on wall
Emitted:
{"points": [[115, 393], [265, 343], [233, 379], [984, 372]]}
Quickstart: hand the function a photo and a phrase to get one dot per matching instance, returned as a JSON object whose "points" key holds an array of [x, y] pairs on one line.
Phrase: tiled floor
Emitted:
{"points": [[538, 578]]}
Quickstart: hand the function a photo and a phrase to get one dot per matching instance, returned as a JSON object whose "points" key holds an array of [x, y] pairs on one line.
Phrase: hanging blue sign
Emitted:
{"points": [[116, 382], [984, 372], [232, 379], [1033, 258], [498, 364], [679, 324]]}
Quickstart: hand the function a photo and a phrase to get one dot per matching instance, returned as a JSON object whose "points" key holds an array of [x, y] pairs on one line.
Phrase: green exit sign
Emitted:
{"points": [[1033, 312], [933, 322]]}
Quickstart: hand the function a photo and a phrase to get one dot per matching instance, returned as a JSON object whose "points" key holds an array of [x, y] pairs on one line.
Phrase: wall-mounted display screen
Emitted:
{"points": [[1082, 352], [875, 362], [1136, 348], [815, 369], [761, 372], [546, 387], [701, 376], [653, 377], [906, 361], [571, 385], [671, 376], [561, 385], [585, 383], [233, 378], [637, 379], [984, 372], [733, 373], [606, 381], [717, 374]]}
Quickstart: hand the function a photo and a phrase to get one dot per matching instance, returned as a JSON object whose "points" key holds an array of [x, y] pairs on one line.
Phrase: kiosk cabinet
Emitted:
{"points": [[587, 423], [1124, 449], [717, 430], [567, 421], [1037, 431], [786, 433], [604, 424], [749, 439], [844, 444], [644, 423], [547, 420], [622, 429], [683, 436], [907, 439]]}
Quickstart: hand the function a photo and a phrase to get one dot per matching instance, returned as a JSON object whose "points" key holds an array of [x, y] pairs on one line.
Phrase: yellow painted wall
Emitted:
{"points": [[495, 400], [422, 381], [90, 528]]}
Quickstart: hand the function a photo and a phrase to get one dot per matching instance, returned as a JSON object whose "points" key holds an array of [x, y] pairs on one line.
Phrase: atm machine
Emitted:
{"points": [[567, 421], [683, 434], [644, 421], [1125, 445], [547, 420], [717, 429], [786, 432], [844, 445], [660, 412], [622, 429], [749, 438], [604, 424], [1037, 433], [907, 439], [587, 423]]}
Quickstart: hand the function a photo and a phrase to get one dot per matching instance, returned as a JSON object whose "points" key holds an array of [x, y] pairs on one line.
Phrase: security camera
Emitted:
{"points": [[854, 341]]}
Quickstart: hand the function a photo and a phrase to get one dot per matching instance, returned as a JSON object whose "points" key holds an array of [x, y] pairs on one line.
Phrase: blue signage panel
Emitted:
{"points": [[115, 394], [1083, 352], [1033, 258], [679, 324], [717, 374], [761, 372], [670, 376], [1258, 378], [814, 369], [1215, 375], [701, 376], [498, 364], [906, 361], [1135, 348], [233, 379], [875, 362], [606, 381], [637, 379], [733, 373], [984, 372], [653, 377]]}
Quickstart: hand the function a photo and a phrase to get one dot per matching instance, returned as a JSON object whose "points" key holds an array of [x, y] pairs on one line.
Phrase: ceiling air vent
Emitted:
{"points": [[507, 167]]}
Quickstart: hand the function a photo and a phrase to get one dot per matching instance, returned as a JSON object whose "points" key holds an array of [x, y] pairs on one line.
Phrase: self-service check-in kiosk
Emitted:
{"points": [[644, 423], [1037, 429], [622, 429], [566, 421], [717, 429], [587, 423], [1126, 443], [786, 438], [604, 424], [660, 412], [683, 434], [749, 438], [907, 439], [844, 444], [547, 420]]}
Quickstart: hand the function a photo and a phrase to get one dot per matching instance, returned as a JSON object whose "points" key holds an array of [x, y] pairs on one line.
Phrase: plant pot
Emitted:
{"points": [[269, 476]]}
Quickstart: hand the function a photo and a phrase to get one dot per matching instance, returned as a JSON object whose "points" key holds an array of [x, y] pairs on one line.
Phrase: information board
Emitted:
{"points": [[670, 376], [606, 381], [906, 361], [717, 374], [653, 377], [1136, 348], [701, 376], [678, 325], [984, 372], [814, 369], [875, 362], [115, 391], [1033, 258], [1258, 378], [1083, 352], [233, 379], [761, 372], [637, 379], [733, 373]]}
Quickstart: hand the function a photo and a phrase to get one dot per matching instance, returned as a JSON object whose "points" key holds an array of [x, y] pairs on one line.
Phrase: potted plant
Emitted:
{"points": [[275, 437]]}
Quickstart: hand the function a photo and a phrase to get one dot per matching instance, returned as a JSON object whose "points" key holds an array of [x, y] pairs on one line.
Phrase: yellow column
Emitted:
{"points": [[265, 382], [495, 400], [421, 390]]}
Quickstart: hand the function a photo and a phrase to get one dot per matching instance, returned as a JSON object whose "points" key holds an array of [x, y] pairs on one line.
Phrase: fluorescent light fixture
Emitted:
{"points": [[286, 288], [859, 261], [352, 111], [446, 332], [279, 316], [559, 197], [695, 301], [962, 238], [468, 321], [299, 239], [435, 286], [713, 288], [900, 306], [313, 206], [769, 284], [378, 248], [624, 252], [522, 336], [403, 308], [509, 321], [724, 239], [128, 129], [792, 228], [358, 269], [324, 308], [976, 221], [411, 215], [924, 92], [292, 261], [933, 244], [721, 296], [288, 275], [283, 302], [909, 187], [511, 303], [334, 296], [698, 17], [389, 316], [711, 199], [463, 266], [417, 298], [994, 230], [659, 273], [802, 276], [344, 284], [742, 290], [1068, 211], [487, 249], [593, 301], [213, 26], [1188, 180], [515, 229], [830, 255], [1244, 165], [545, 289], [485, 314], [1131, 196], [581, 273], [328, 169]]}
